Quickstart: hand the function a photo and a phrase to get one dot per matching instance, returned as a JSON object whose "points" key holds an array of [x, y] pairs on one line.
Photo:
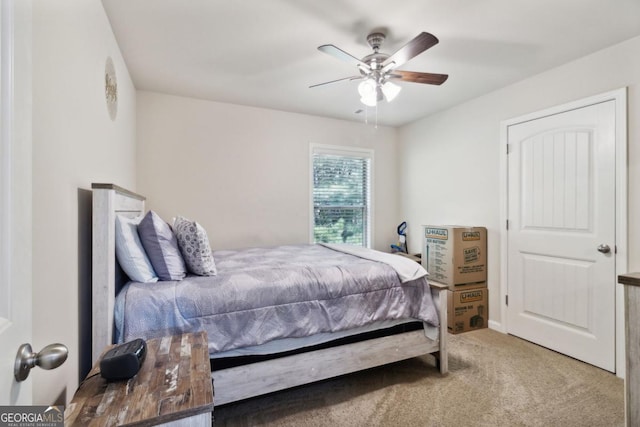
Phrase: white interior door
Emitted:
{"points": [[15, 195], [561, 212]]}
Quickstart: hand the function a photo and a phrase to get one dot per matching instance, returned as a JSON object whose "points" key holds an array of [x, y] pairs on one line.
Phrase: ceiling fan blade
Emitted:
{"points": [[417, 77], [342, 55], [419, 44], [338, 80]]}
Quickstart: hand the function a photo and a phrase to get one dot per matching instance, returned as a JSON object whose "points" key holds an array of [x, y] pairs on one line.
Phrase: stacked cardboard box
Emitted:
{"points": [[467, 310], [457, 257]]}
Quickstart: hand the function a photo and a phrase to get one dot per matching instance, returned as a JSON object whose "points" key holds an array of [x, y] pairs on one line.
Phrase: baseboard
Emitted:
{"points": [[496, 326]]}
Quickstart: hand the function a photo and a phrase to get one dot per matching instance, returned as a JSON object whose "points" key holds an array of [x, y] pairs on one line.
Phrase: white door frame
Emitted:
{"points": [[620, 98], [15, 194]]}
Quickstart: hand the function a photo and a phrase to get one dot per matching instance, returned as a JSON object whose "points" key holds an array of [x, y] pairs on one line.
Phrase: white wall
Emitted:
{"points": [[75, 143], [450, 162], [243, 172]]}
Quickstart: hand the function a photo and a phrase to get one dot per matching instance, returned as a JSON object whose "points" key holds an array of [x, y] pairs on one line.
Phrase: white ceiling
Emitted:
{"points": [[263, 53]]}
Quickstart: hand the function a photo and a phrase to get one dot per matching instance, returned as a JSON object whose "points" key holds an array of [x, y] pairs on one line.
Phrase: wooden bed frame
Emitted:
{"points": [[241, 382]]}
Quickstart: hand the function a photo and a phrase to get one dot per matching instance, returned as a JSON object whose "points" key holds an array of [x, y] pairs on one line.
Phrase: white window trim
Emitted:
{"points": [[342, 150]]}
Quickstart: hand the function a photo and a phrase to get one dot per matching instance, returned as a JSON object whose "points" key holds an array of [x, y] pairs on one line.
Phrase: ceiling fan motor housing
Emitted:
{"points": [[375, 60], [375, 40]]}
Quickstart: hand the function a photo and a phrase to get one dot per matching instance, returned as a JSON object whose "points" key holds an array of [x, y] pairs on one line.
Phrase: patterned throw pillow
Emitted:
{"points": [[161, 246], [194, 245]]}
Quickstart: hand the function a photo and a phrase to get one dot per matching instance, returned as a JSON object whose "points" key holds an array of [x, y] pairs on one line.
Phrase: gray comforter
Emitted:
{"points": [[263, 294]]}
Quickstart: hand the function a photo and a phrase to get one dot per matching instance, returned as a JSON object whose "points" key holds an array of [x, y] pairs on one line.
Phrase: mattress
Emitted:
{"points": [[271, 295]]}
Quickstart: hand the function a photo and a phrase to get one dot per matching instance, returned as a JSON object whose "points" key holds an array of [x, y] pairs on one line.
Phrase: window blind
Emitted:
{"points": [[341, 197]]}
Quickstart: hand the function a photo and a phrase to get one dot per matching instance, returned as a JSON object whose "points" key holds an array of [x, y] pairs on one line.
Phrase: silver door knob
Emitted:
{"points": [[49, 357], [605, 249]]}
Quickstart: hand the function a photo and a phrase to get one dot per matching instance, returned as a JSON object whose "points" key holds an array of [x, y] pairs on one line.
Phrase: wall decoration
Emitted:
{"points": [[111, 88]]}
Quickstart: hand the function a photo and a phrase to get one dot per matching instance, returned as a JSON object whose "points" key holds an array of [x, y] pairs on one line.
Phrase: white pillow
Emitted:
{"points": [[130, 253]]}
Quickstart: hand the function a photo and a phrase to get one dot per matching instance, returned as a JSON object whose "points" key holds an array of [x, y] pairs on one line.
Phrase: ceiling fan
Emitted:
{"points": [[378, 69]]}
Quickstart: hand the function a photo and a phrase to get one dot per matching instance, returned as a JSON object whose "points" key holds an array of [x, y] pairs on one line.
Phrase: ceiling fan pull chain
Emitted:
{"points": [[376, 126]]}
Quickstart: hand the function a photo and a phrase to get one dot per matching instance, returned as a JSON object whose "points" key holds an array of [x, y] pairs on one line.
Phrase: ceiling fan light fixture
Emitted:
{"points": [[368, 90], [390, 91], [369, 101], [379, 94]]}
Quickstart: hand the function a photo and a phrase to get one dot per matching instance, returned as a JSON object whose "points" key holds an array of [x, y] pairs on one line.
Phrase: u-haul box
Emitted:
{"points": [[467, 310], [455, 255]]}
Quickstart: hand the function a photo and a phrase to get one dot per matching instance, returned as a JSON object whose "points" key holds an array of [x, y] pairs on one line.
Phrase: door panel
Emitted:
{"points": [[557, 289], [561, 192], [555, 180]]}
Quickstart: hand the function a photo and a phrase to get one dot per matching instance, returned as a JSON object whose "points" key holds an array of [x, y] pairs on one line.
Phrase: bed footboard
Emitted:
{"points": [[439, 293], [255, 379]]}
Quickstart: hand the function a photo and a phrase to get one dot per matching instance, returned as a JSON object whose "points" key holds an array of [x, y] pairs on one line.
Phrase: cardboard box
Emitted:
{"points": [[467, 310], [455, 255]]}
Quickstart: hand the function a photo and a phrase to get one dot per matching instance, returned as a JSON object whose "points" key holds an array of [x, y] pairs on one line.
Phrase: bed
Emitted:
{"points": [[308, 342]]}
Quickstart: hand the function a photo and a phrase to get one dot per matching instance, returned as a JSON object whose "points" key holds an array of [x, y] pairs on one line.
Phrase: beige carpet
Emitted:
{"points": [[494, 380]]}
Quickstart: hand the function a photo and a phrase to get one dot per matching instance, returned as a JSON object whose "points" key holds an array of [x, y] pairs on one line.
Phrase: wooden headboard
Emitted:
{"points": [[107, 278]]}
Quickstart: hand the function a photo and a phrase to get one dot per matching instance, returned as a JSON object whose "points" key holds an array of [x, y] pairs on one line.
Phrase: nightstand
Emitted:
{"points": [[632, 338], [172, 388]]}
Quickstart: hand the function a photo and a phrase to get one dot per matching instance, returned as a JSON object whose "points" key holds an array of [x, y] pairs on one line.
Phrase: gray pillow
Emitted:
{"points": [[161, 246], [194, 245]]}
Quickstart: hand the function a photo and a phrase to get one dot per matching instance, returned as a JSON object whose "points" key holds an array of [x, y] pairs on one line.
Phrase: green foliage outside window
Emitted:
{"points": [[340, 199]]}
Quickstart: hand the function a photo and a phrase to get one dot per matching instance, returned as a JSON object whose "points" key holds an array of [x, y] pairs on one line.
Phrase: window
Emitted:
{"points": [[341, 196]]}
